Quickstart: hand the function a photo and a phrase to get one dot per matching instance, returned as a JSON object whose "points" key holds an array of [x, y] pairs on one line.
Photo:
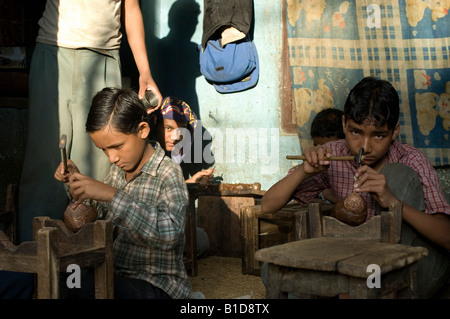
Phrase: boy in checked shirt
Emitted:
{"points": [[145, 196], [392, 173]]}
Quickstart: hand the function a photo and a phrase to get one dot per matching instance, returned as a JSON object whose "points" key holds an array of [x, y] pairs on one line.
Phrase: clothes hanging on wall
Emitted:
{"points": [[230, 68], [228, 56], [220, 15]]}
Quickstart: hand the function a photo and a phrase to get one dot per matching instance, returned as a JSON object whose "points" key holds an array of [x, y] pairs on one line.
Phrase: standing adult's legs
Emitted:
{"points": [[62, 85], [96, 71], [39, 193]]}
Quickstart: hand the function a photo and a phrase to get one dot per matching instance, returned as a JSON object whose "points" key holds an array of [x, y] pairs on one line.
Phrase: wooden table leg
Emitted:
{"points": [[48, 264], [274, 280], [104, 272]]}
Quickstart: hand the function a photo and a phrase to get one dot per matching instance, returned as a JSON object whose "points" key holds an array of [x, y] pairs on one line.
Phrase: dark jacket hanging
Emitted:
{"points": [[219, 13]]}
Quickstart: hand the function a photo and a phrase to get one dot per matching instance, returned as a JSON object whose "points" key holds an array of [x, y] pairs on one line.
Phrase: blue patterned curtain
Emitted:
{"points": [[334, 44]]}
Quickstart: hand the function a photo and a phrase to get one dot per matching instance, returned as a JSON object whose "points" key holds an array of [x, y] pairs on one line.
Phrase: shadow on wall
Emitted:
{"points": [[174, 61], [178, 57], [178, 68]]}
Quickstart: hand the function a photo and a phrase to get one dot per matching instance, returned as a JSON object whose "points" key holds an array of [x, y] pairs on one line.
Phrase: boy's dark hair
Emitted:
{"points": [[375, 100], [328, 123], [120, 108]]}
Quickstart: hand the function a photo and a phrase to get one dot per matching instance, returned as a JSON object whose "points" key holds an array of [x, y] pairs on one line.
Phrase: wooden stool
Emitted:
{"points": [[55, 247], [90, 246], [261, 230], [336, 259], [39, 256]]}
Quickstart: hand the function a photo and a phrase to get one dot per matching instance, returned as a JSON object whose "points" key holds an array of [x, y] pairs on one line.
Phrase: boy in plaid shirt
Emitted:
{"points": [[145, 196], [392, 172]]}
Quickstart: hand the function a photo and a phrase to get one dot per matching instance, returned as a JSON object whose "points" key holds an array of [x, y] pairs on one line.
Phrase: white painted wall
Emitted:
{"points": [[254, 115]]}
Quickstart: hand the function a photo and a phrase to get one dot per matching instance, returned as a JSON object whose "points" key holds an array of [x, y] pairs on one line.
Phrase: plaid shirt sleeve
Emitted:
{"points": [[340, 177], [154, 209], [307, 190], [150, 213]]}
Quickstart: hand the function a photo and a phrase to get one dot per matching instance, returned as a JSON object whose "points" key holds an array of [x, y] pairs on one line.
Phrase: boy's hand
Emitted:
{"points": [[316, 159], [371, 181], [203, 177], [71, 168], [82, 187]]}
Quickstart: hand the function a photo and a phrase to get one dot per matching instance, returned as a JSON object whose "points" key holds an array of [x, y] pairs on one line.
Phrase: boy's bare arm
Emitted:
{"points": [[134, 27], [203, 177], [435, 227], [82, 187], [280, 193]]}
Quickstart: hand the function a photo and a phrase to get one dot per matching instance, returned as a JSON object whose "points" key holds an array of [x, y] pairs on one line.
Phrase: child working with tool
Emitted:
{"points": [[145, 196], [77, 54], [391, 172]]}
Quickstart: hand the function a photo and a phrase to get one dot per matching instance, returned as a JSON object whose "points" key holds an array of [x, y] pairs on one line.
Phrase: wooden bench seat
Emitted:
{"points": [[55, 247], [335, 258]]}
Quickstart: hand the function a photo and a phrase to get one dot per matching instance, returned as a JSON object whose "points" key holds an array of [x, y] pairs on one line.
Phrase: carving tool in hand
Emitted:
{"points": [[62, 147], [359, 159]]}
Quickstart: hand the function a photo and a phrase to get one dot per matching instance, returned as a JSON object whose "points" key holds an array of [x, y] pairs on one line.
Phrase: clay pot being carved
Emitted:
{"points": [[351, 210], [77, 215]]}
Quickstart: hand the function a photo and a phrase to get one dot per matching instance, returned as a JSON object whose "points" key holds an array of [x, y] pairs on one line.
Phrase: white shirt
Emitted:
{"points": [[81, 24]]}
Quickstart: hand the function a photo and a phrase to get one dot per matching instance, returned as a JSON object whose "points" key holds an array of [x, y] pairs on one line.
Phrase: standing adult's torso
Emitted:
{"points": [[81, 24]]}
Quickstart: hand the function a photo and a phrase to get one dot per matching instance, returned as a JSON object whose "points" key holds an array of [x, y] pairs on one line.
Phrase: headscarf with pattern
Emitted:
{"points": [[173, 108]]}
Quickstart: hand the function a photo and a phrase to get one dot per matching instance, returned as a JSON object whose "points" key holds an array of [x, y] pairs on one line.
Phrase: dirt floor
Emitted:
{"points": [[222, 278]]}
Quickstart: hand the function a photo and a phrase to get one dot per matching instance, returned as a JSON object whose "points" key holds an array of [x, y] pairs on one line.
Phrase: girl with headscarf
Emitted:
{"points": [[175, 127]]}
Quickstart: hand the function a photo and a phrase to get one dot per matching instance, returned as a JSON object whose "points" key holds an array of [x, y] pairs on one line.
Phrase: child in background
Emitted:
{"points": [[174, 121], [145, 196], [326, 127]]}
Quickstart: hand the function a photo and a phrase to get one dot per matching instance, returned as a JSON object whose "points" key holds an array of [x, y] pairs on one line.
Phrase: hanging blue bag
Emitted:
{"points": [[231, 68]]}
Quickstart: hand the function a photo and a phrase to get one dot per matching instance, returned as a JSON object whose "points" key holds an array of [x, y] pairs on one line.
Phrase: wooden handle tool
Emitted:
{"points": [[359, 159], [332, 158], [62, 147]]}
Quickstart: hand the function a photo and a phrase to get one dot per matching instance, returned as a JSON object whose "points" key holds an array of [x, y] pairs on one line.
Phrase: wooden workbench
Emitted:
{"points": [[261, 230], [332, 266]]}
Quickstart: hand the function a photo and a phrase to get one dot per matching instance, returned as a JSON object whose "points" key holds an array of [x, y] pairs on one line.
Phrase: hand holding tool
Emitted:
{"points": [[359, 159], [150, 100]]}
